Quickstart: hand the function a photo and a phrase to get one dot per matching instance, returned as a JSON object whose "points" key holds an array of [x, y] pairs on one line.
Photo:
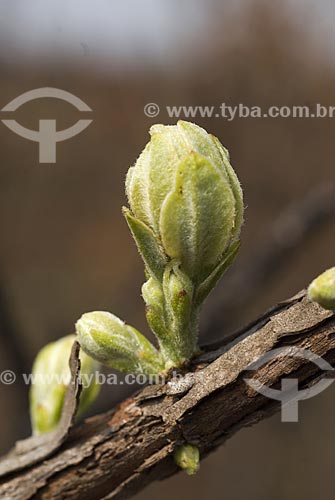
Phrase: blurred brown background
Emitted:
{"points": [[65, 248]]}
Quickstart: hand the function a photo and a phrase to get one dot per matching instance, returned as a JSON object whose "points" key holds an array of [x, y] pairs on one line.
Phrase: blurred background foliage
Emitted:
{"points": [[65, 248]]}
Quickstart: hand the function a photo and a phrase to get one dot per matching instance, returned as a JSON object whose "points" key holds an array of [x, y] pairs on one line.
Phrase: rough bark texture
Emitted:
{"points": [[36, 448], [113, 455]]}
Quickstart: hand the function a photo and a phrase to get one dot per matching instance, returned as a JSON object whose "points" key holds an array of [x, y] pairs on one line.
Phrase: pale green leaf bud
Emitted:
{"points": [[187, 457], [50, 378], [186, 214], [185, 191], [322, 289], [109, 340], [154, 299], [153, 295]]}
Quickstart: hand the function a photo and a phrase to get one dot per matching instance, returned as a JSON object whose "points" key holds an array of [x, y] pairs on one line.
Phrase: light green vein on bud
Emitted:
{"points": [[109, 340]]}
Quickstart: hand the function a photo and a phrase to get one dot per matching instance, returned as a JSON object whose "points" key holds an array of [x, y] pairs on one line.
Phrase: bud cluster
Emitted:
{"points": [[186, 212]]}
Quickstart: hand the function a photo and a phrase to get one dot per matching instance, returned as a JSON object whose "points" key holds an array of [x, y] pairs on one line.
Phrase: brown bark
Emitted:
{"points": [[113, 455]]}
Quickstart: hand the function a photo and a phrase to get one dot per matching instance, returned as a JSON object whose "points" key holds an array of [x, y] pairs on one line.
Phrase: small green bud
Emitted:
{"points": [[109, 340], [322, 289], [153, 295], [181, 343], [184, 191], [178, 290], [187, 457], [50, 378]]}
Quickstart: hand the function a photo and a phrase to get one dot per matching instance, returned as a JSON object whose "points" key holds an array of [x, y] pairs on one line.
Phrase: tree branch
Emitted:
{"points": [[113, 455]]}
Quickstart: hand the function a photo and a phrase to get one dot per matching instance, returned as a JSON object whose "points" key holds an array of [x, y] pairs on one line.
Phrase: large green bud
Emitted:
{"points": [[186, 214], [184, 193], [50, 378]]}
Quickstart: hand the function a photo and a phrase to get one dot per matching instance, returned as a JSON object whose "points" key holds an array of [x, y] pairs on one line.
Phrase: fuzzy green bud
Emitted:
{"points": [[109, 340], [322, 289], [186, 214], [50, 378], [187, 457], [185, 195]]}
